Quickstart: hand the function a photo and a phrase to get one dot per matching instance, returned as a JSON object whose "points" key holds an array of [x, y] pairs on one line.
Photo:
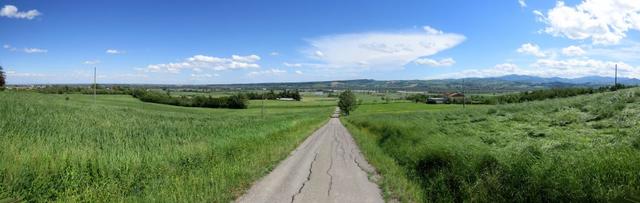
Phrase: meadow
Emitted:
{"points": [[579, 149], [66, 148]]}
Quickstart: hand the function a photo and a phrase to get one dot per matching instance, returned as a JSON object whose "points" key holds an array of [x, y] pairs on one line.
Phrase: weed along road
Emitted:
{"points": [[326, 167]]}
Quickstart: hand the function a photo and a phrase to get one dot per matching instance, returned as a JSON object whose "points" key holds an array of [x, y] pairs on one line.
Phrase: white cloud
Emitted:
{"points": [[9, 47], [292, 65], [114, 51], [247, 59], [270, 72], [299, 72], [572, 68], [573, 51], [531, 49], [198, 62], [522, 3], [628, 51], [34, 50], [274, 53], [25, 74], [604, 21], [92, 62], [206, 75], [11, 11], [436, 63], [497, 70], [390, 50]]}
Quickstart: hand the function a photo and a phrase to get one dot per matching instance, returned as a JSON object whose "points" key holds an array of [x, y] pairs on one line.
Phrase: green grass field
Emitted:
{"points": [[580, 149], [120, 149]]}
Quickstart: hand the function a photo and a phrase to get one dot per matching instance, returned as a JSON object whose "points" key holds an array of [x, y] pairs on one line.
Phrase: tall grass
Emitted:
{"points": [[579, 149], [53, 149]]}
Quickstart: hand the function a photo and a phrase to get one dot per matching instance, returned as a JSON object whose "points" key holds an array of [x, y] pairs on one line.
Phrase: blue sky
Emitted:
{"points": [[213, 42]]}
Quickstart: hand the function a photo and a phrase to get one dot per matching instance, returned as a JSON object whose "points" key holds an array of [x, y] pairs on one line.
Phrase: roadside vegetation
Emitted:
{"points": [[543, 94], [66, 148], [578, 149]]}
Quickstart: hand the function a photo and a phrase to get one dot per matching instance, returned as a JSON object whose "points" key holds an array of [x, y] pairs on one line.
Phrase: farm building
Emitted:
{"points": [[447, 98], [436, 100], [455, 97]]}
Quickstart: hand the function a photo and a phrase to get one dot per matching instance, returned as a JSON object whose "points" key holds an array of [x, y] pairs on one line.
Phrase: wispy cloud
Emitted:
{"points": [[25, 50], [522, 3], [292, 65], [11, 11], [35, 50], [435, 63], [271, 72], [92, 62], [114, 51], [380, 50]]}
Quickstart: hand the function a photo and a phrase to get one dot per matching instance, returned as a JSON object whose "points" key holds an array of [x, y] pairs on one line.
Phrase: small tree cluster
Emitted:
{"points": [[347, 102], [417, 98], [271, 95], [65, 89]]}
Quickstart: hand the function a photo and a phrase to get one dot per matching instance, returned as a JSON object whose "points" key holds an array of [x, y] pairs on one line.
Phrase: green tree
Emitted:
{"points": [[348, 102], [2, 77]]}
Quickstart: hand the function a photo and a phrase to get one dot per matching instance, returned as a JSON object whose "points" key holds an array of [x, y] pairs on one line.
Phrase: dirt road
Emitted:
{"points": [[327, 167]]}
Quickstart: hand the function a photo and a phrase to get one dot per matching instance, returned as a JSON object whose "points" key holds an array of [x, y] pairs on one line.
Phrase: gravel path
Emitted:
{"points": [[327, 167]]}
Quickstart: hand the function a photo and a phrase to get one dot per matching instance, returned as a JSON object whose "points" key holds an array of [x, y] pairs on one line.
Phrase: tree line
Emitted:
{"points": [[272, 95], [237, 101], [65, 89], [543, 94], [526, 96]]}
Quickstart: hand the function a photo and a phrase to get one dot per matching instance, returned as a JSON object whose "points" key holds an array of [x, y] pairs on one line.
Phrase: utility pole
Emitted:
{"points": [[95, 84], [464, 96], [616, 78], [262, 111]]}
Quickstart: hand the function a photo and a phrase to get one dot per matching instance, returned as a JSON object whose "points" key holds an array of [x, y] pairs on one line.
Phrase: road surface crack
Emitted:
{"points": [[293, 198], [328, 170]]}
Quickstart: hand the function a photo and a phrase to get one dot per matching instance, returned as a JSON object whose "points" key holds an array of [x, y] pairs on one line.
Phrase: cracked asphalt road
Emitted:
{"points": [[326, 167]]}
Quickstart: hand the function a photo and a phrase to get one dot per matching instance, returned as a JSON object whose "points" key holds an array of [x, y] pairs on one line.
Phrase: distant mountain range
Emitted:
{"points": [[589, 80], [507, 83]]}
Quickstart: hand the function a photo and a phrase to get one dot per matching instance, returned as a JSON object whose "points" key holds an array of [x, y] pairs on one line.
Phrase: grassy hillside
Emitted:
{"points": [[54, 149], [585, 148]]}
